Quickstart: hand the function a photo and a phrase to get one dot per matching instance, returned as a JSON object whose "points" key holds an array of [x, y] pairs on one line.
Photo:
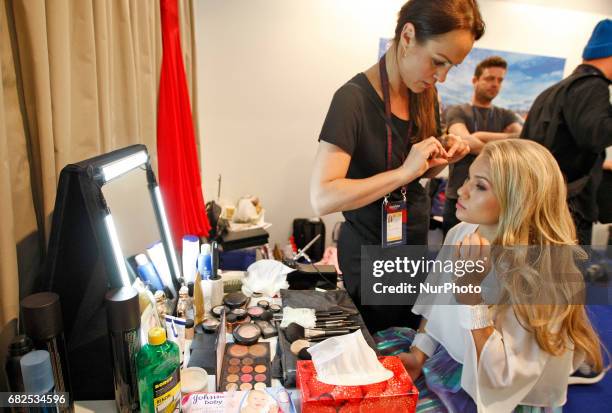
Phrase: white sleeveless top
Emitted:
{"points": [[513, 369]]}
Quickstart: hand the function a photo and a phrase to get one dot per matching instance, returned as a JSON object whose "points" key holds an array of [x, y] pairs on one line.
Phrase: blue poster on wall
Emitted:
{"points": [[527, 76]]}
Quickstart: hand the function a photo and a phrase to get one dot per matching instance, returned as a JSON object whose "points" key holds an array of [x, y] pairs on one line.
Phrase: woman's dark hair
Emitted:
{"points": [[432, 18]]}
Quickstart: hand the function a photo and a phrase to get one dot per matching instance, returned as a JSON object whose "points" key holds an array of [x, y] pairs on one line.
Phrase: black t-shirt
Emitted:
{"points": [[476, 119], [355, 123]]}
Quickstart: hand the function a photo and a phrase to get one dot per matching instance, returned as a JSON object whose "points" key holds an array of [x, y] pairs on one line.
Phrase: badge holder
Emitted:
{"points": [[394, 220]]}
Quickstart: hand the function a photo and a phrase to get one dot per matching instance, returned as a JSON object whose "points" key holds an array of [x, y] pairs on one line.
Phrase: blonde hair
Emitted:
{"points": [[538, 238]]}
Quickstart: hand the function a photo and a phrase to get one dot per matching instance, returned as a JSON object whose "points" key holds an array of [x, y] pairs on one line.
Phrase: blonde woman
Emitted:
{"points": [[515, 355]]}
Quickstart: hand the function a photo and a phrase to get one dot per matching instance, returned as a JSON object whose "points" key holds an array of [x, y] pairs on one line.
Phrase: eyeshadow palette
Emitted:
{"points": [[246, 367]]}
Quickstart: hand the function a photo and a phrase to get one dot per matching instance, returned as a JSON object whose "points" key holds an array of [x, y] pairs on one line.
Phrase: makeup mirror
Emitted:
{"points": [[108, 209]]}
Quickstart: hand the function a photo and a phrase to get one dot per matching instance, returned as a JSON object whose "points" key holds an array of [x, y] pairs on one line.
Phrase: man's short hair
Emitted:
{"points": [[491, 61]]}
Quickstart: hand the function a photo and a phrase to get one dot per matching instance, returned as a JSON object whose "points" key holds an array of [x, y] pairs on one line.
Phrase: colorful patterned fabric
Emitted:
{"points": [[440, 384]]}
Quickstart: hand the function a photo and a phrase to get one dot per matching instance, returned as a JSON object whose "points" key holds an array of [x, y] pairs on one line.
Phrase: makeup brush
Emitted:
{"points": [[295, 332], [336, 324], [329, 318]]}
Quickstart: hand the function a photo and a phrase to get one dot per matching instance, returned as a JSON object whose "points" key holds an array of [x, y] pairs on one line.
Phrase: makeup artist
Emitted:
{"points": [[379, 139]]}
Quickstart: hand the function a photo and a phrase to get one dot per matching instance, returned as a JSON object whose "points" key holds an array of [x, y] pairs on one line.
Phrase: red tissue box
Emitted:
{"points": [[398, 394]]}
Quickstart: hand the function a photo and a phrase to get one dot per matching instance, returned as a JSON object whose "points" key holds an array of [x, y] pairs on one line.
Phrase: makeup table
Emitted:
{"points": [[108, 406]]}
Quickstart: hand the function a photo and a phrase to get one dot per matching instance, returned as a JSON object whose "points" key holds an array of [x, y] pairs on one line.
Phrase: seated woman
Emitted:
{"points": [[514, 355]]}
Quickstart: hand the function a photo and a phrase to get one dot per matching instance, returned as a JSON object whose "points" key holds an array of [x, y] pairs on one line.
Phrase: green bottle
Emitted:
{"points": [[159, 382]]}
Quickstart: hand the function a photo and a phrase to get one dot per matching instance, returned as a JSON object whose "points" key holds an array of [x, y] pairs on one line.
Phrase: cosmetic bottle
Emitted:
{"points": [[37, 376], [159, 383], [215, 278], [147, 272], [204, 265], [123, 313], [189, 332]]}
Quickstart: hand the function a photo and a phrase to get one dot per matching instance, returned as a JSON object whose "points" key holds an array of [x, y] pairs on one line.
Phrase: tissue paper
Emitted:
{"points": [[267, 277], [347, 360]]}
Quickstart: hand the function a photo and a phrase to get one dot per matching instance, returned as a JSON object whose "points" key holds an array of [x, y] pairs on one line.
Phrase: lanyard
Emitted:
{"points": [[384, 80], [486, 125]]}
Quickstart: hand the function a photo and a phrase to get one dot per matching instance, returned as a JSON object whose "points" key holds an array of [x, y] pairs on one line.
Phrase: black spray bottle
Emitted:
{"points": [[123, 313]]}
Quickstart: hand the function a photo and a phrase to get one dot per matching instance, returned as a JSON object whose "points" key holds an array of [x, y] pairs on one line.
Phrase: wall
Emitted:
{"points": [[267, 70]]}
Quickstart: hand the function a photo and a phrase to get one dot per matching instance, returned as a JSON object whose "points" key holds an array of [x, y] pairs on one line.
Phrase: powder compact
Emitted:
{"points": [[245, 367], [263, 304], [235, 300], [247, 334], [233, 321], [255, 312], [216, 311], [241, 313], [275, 308], [210, 325]]}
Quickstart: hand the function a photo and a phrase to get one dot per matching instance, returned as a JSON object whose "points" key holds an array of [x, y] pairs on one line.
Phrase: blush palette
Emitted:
{"points": [[246, 367]]}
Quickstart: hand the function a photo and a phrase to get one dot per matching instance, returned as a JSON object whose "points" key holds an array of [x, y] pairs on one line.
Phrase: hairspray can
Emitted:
{"points": [[123, 311]]}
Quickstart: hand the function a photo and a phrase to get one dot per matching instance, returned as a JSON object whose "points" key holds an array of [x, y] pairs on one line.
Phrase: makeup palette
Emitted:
{"points": [[246, 367]]}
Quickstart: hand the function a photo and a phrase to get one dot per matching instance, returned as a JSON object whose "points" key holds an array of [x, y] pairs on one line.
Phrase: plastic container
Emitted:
{"points": [[38, 376], [159, 382], [147, 272]]}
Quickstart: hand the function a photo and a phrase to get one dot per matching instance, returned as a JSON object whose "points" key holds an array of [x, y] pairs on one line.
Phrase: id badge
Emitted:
{"points": [[394, 220]]}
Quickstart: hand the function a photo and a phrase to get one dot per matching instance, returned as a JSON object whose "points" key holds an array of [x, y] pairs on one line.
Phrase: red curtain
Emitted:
{"points": [[179, 174]]}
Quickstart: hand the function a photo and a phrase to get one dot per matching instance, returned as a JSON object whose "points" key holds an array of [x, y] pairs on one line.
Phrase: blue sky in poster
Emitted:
{"points": [[528, 75]]}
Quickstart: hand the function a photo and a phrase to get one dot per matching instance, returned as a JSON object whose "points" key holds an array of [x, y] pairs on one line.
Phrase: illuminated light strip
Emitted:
{"points": [[112, 233], [118, 168], [162, 212]]}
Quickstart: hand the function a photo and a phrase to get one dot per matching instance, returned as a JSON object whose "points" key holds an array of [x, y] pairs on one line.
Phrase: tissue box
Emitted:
{"points": [[398, 394]]}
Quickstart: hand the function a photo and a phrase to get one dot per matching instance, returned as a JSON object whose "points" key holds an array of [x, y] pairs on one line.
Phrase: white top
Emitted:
{"points": [[513, 369]]}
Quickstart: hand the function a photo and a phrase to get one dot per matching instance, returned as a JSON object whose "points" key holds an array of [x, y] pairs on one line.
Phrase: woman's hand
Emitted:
{"points": [[475, 252], [456, 148], [413, 361], [423, 155]]}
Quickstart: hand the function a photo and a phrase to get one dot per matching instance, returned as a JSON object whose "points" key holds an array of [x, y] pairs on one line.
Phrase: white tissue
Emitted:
{"points": [[347, 360], [267, 277], [303, 316]]}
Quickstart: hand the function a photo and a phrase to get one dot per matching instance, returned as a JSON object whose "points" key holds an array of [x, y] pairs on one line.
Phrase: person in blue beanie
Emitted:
{"points": [[573, 119]]}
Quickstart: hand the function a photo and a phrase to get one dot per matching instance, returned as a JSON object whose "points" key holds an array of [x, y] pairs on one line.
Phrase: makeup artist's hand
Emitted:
{"points": [[413, 361], [474, 251], [422, 156], [456, 148]]}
